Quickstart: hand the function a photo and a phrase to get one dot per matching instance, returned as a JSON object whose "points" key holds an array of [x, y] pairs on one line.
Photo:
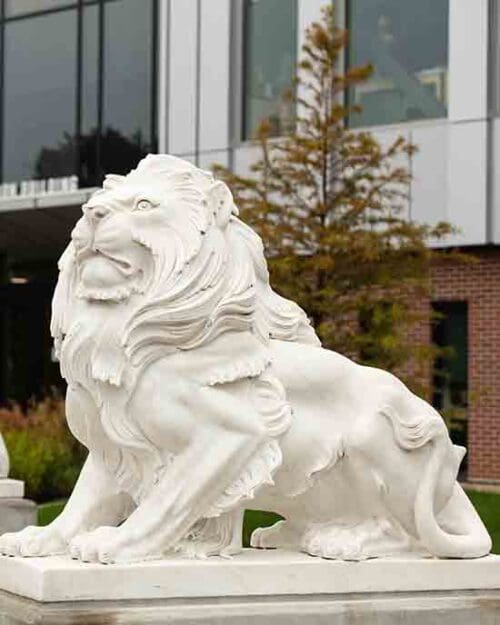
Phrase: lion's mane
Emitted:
{"points": [[207, 278]]}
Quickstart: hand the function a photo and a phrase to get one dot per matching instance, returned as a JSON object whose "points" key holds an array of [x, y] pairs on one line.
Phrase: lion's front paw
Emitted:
{"points": [[110, 545], [33, 541], [100, 545]]}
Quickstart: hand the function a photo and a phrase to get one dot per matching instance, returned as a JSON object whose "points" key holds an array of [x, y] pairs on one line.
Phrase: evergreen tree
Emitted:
{"points": [[330, 204]]}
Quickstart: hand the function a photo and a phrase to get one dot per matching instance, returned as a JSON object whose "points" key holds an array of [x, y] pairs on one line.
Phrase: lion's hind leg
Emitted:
{"points": [[349, 540], [218, 536]]}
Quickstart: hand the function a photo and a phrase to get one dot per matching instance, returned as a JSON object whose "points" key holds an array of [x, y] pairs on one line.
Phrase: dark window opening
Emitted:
{"points": [[450, 388], [28, 368]]}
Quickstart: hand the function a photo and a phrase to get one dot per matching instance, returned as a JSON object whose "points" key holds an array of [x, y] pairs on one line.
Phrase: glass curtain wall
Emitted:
{"points": [[78, 87], [39, 77], [407, 43], [269, 57]]}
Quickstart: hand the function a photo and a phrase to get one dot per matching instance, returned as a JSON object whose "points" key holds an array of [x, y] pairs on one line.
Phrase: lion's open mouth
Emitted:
{"points": [[105, 276], [123, 265]]}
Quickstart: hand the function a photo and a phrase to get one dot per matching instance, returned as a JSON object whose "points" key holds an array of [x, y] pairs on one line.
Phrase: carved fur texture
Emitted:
{"points": [[200, 392]]}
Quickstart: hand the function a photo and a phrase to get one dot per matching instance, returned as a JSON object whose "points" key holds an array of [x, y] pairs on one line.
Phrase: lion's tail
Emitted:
{"points": [[416, 425], [475, 542]]}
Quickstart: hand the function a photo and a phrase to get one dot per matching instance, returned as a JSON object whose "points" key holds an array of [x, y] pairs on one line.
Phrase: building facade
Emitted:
{"points": [[90, 86]]}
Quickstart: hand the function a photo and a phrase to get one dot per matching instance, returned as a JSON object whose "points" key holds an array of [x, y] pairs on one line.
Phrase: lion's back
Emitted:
{"points": [[330, 382]]}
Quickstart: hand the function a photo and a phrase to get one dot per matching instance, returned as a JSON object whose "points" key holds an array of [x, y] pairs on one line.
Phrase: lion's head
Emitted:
{"points": [[165, 242]]}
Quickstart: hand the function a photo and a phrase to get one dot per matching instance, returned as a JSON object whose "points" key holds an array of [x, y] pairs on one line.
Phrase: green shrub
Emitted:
{"points": [[49, 511], [42, 450]]}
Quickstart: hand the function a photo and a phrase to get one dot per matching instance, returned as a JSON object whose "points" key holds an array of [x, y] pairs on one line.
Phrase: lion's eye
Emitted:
{"points": [[143, 205]]}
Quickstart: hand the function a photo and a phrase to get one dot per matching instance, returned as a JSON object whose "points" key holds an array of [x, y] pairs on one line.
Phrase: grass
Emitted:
{"points": [[47, 512], [254, 519], [487, 504]]}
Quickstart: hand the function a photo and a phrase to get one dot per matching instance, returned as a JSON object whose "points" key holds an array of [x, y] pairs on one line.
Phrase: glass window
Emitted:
{"points": [[127, 98], [46, 131], [20, 7], [270, 48], [450, 395], [90, 69], [40, 96], [407, 43], [89, 173]]}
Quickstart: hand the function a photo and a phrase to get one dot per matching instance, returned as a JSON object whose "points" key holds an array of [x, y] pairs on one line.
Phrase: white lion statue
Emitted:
{"points": [[200, 392]]}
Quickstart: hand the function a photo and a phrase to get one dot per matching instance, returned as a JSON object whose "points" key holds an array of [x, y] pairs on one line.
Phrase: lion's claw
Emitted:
{"points": [[108, 545], [32, 541]]}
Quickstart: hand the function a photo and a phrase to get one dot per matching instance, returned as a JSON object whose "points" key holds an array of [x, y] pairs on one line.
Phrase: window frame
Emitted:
{"points": [[80, 5]]}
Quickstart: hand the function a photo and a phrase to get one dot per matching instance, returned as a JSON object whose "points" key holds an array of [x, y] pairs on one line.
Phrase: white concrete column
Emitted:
{"points": [[182, 63], [163, 78], [214, 75], [467, 60]]}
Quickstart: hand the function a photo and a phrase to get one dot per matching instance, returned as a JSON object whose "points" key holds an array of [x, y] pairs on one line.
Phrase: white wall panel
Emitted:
{"points": [[244, 156], [182, 75], [214, 74], [466, 185], [430, 173], [495, 187], [386, 136], [163, 72], [190, 157], [468, 54], [217, 157], [308, 11]]}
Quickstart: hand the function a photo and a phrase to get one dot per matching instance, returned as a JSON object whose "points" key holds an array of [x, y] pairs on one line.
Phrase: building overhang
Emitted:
{"points": [[38, 227]]}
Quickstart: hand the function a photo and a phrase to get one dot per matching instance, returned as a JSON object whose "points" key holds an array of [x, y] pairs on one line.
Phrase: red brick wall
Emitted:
{"points": [[478, 283]]}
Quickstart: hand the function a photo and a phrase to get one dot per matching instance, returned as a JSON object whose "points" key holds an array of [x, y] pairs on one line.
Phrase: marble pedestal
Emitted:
{"points": [[15, 511], [11, 488], [256, 588]]}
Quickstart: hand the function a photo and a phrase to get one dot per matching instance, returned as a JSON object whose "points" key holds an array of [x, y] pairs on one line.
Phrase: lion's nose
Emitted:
{"points": [[97, 212]]}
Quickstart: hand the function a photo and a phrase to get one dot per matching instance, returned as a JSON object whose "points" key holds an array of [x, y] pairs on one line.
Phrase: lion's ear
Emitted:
{"points": [[112, 180], [222, 203]]}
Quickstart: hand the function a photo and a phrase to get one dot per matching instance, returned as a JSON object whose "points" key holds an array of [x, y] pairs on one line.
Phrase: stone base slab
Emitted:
{"points": [[419, 608], [251, 574]]}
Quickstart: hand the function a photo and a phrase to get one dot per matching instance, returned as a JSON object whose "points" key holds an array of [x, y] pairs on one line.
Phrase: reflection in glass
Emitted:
{"points": [[39, 96], [89, 171], [117, 154], [90, 68], [269, 62], [407, 43], [20, 7], [128, 39]]}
